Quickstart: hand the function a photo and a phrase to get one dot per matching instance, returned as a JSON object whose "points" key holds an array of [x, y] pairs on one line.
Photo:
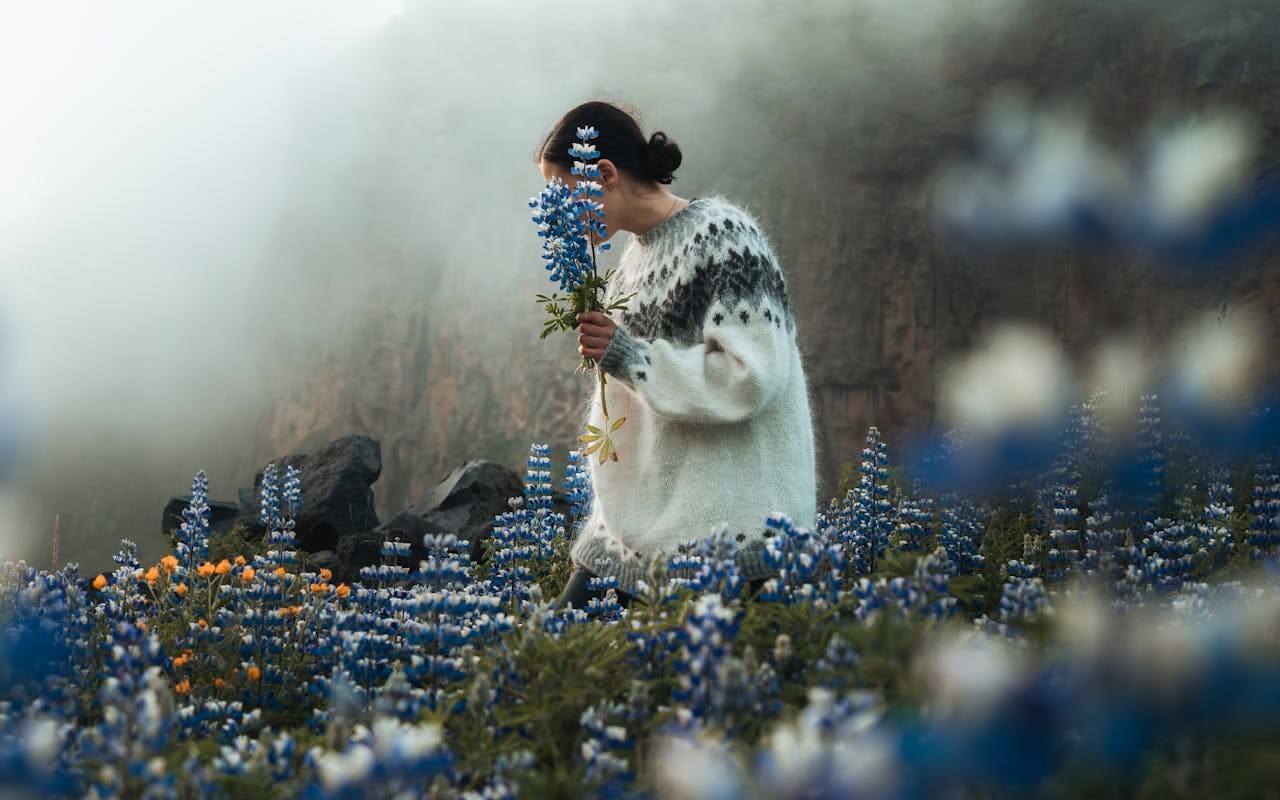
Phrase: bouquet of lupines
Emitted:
{"points": [[565, 218]]}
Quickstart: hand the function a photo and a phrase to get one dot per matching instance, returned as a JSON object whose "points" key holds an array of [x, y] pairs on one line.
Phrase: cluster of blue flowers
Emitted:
{"points": [[295, 681], [559, 216]]}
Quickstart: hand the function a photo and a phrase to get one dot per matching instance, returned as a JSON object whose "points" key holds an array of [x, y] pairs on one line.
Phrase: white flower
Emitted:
{"points": [[969, 671], [1216, 360], [41, 743], [1019, 378], [694, 770], [1195, 165], [338, 770]]}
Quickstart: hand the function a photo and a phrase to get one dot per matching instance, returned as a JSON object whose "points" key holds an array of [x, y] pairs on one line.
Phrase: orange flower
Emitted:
{"points": [[240, 562], [183, 686], [205, 569], [343, 590], [280, 572], [143, 625], [326, 574], [248, 575], [254, 673], [180, 661], [219, 683], [169, 563], [224, 566], [152, 575], [202, 623], [138, 573], [319, 588], [100, 582], [180, 590]]}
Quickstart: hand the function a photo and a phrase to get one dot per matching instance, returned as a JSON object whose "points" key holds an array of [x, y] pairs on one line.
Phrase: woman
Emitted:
{"points": [[703, 363]]}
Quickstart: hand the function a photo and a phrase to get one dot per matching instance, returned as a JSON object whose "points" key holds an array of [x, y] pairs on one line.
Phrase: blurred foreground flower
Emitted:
{"points": [[1007, 402], [1044, 177]]}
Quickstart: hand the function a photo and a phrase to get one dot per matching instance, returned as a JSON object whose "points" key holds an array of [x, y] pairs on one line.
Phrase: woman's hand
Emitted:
{"points": [[595, 331]]}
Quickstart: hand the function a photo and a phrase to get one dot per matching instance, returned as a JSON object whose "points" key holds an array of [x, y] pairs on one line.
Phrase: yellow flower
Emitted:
{"points": [[205, 569], [169, 563], [100, 582]]}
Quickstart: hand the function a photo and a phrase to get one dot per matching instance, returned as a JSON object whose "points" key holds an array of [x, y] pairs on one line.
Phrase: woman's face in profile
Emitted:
{"points": [[550, 171]]}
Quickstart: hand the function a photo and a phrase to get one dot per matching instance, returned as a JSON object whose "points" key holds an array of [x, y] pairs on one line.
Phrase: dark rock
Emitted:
{"points": [[254, 529], [363, 549], [222, 515], [336, 494], [324, 559], [466, 502]]}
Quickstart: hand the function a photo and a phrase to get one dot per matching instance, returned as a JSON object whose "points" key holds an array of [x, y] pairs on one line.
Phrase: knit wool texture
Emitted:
{"points": [[705, 367]]}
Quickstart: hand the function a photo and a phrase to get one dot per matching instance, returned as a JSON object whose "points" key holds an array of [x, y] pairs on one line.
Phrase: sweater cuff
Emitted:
{"points": [[623, 355]]}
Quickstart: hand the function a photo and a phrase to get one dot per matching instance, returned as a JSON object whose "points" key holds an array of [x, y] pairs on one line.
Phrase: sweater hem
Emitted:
{"points": [[599, 554]]}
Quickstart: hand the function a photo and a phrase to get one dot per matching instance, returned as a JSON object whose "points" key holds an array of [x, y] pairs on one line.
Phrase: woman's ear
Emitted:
{"points": [[608, 174]]}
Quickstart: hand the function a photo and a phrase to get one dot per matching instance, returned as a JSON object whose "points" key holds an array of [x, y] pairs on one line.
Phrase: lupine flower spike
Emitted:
{"points": [[565, 218]]}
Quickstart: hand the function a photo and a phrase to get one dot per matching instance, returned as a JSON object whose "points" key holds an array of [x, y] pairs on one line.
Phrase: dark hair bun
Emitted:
{"points": [[662, 157]]}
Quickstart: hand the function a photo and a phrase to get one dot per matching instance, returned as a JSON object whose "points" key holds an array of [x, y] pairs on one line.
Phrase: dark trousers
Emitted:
{"points": [[577, 593]]}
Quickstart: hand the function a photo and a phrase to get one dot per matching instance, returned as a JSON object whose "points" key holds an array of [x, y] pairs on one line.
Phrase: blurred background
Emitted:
{"points": [[235, 231]]}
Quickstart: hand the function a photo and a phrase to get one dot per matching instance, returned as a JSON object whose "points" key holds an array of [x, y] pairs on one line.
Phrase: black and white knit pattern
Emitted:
{"points": [[705, 366], [710, 251]]}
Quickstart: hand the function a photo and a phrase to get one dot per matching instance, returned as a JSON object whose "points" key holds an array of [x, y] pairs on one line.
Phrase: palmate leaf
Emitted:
{"points": [[607, 450], [594, 429], [593, 448], [617, 424], [590, 437]]}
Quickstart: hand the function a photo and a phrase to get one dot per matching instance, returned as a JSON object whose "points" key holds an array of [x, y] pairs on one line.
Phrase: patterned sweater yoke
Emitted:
{"points": [[705, 366]]}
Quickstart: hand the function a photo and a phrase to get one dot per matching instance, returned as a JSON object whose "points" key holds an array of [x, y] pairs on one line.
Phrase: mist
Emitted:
{"points": [[202, 203]]}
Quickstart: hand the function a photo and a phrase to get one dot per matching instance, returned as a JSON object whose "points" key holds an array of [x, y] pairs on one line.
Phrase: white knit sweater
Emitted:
{"points": [[705, 367]]}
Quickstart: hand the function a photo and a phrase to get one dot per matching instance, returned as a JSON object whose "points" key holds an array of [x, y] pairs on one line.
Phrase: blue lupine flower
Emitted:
{"points": [[1264, 511], [192, 535]]}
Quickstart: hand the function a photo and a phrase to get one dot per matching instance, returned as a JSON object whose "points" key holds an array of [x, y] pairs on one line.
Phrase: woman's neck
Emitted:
{"points": [[655, 211]]}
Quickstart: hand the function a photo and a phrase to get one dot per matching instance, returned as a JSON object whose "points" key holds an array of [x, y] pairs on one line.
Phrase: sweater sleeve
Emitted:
{"points": [[740, 366]]}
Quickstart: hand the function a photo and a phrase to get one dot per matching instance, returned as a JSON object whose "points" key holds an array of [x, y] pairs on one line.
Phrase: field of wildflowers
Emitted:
{"points": [[1064, 637]]}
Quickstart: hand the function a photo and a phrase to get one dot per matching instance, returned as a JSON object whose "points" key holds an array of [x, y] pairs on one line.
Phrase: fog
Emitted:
{"points": [[142, 157], [196, 197]]}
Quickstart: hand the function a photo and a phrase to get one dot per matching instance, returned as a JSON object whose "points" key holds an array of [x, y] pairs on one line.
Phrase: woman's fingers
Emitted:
{"points": [[596, 342]]}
